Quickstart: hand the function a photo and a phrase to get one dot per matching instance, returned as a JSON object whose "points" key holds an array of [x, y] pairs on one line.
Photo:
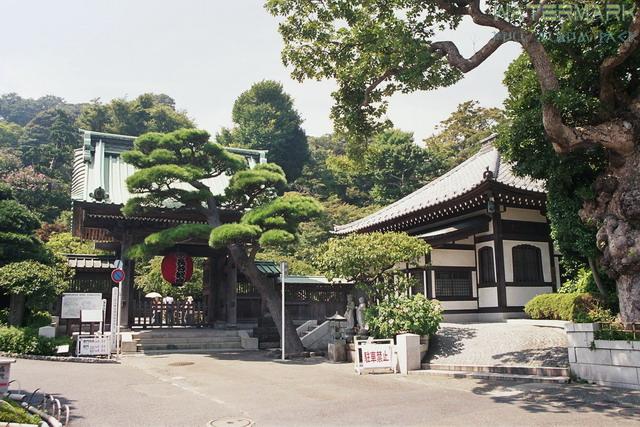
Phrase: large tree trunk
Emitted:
{"points": [[16, 309], [617, 210], [268, 293]]}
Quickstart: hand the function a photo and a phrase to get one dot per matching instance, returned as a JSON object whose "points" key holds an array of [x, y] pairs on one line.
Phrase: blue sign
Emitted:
{"points": [[117, 275]]}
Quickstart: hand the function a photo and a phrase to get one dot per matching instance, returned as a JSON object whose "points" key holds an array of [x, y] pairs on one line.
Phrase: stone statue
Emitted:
{"points": [[349, 312], [362, 306]]}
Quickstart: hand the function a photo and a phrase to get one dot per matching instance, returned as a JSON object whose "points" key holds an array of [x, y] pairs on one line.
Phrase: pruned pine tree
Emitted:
{"points": [[171, 169]]}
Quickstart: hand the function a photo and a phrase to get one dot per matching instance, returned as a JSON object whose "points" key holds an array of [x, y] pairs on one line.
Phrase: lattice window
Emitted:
{"points": [[527, 264], [485, 263], [453, 284]]}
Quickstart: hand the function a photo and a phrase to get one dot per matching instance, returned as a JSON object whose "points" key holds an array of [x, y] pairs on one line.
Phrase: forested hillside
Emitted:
{"points": [[37, 138]]}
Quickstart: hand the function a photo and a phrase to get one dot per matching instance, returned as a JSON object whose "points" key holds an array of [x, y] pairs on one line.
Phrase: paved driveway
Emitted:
{"points": [[190, 390], [516, 342]]}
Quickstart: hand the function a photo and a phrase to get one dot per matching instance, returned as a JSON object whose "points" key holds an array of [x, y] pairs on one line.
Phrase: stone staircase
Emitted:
{"points": [[497, 373], [184, 340]]}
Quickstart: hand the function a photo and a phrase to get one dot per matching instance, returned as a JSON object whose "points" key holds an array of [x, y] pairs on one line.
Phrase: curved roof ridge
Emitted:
{"points": [[459, 180]]}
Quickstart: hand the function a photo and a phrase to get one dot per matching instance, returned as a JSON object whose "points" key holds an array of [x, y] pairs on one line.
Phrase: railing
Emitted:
{"points": [[148, 314], [618, 331]]}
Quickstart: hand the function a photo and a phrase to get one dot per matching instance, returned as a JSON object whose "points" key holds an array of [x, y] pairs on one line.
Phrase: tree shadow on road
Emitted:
{"points": [[565, 398], [449, 341], [550, 356], [41, 400]]}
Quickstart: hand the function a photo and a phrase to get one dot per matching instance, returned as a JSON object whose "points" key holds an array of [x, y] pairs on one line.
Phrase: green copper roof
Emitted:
{"points": [[97, 164]]}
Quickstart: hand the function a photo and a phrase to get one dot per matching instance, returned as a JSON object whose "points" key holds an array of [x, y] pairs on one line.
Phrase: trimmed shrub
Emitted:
{"points": [[414, 314], [577, 307], [26, 341]]}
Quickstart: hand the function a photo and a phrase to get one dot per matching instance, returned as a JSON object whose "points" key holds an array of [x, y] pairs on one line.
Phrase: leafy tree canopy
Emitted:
{"points": [[17, 227], [265, 119], [148, 112], [10, 134], [362, 44], [39, 283], [48, 141], [45, 196], [458, 137], [366, 259], [16, 109], [569, 178]]}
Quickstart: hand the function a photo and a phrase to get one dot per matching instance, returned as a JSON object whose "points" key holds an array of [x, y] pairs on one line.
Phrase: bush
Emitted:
{"points": [[404, 314], [38, 319], [4, 316], [577, 307], [26, 341], [11, 412]]}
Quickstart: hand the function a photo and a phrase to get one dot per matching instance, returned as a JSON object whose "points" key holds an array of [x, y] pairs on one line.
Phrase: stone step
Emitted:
{"points": [[492, 376], [191, 351], [188, 340], [191, 346], [179, 333], [543, 371]]}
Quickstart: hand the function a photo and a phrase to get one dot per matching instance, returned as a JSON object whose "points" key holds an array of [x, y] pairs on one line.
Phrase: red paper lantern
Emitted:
{"points": [[177, 268]]}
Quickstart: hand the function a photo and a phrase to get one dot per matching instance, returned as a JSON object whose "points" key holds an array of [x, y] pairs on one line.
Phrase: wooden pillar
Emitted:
{"points": [[499, 252]]}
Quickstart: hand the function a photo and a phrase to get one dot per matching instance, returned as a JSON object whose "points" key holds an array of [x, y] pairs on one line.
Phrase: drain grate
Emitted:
{"points": [[231, 422]]}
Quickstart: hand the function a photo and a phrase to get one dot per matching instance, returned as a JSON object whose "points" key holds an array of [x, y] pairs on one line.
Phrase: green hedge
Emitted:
{"points": [[576, 307], [27, 341]]}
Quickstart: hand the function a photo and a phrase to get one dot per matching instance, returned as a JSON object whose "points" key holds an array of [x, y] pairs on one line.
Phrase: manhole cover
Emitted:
{"points": [[180, 363], [231, 422]]}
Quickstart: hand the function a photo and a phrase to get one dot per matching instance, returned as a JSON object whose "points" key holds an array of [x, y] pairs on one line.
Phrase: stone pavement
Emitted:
{"points": [[516, 342], [190, 390]]}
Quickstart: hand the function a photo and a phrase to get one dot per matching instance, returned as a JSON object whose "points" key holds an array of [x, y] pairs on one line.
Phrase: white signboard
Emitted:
{"points": [[93, 345], [375, 354], [91, 316], [74, 303]]}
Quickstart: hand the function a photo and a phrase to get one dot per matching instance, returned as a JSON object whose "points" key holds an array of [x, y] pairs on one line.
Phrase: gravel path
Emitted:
{"points": [[510, 343]]}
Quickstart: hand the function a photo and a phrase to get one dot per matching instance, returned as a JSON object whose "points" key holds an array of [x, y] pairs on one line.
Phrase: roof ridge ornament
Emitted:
{"points": [[487, 175]]}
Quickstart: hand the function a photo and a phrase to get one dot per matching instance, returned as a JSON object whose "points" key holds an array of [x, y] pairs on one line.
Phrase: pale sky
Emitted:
{"points": [[203, 53]]}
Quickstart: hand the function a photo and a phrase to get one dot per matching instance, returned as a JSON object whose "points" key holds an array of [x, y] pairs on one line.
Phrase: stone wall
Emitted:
{"points": [[612, 363]]}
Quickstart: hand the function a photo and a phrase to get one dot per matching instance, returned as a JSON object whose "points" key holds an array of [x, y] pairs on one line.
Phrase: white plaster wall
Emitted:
{"points": [[519, 214], [487, 297], [459, 305], [508, 259], [518, 296], [453, 258]]}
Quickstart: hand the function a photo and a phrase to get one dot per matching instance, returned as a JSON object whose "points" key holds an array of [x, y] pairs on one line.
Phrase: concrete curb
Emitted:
{"points": [[59, 358]]}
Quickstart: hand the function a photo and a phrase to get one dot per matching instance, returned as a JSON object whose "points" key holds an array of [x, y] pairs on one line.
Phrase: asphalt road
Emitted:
{"points": [[191, 390]]}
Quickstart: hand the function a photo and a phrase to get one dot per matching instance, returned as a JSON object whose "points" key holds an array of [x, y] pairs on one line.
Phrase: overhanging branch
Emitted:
{"points": [[611, 63], [455, 59]]}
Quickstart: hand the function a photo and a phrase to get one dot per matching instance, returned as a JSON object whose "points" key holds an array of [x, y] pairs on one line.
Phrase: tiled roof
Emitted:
{"points": [[460, 180], [91, 262]]}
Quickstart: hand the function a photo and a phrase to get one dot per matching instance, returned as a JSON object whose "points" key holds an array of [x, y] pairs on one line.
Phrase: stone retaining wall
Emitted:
{"points": [[612, 363]]}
